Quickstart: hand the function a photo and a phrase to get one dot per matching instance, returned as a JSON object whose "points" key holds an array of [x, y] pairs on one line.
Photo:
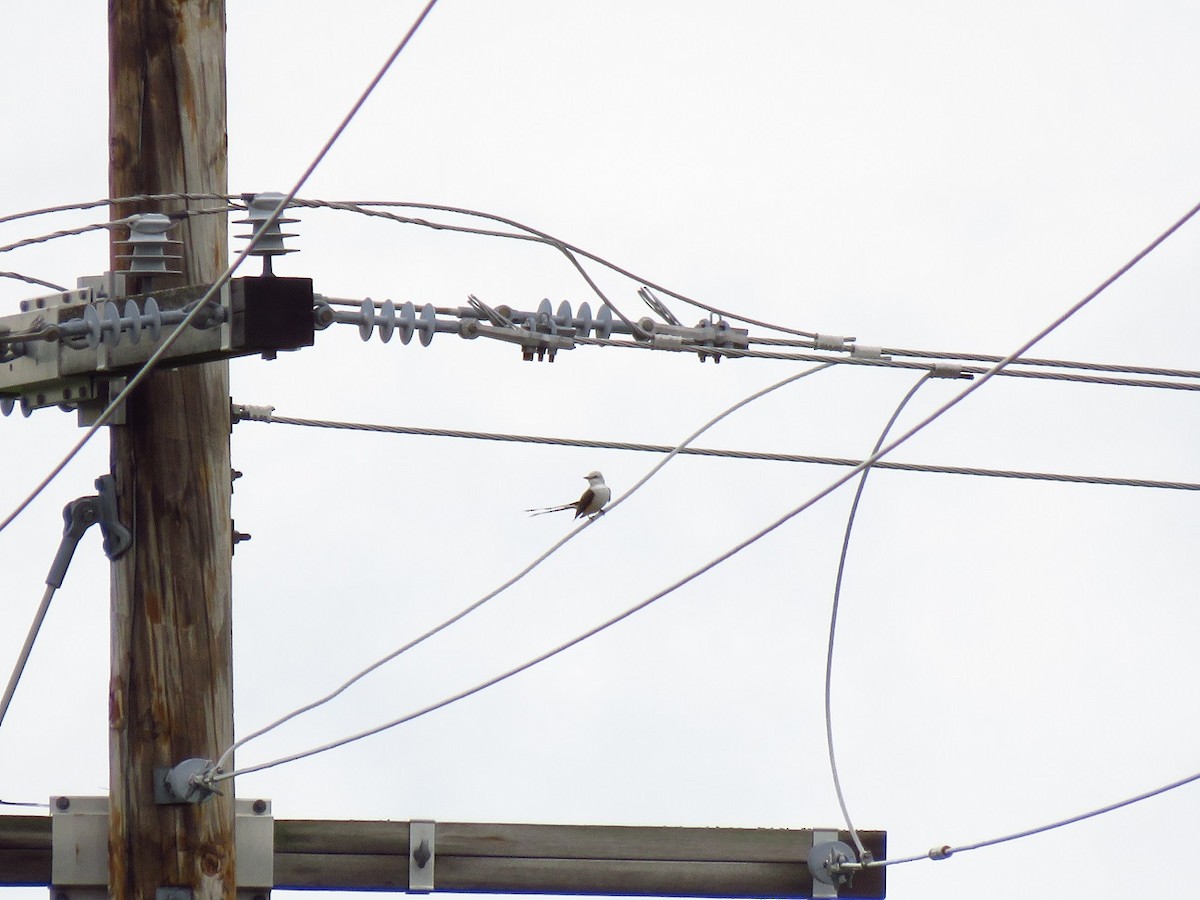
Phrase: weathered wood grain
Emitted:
{"points": [[170, 691]]}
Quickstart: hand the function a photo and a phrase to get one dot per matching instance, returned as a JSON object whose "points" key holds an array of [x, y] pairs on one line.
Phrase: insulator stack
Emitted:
{"points": [[148, 244], [268, 240], [405, 321]]}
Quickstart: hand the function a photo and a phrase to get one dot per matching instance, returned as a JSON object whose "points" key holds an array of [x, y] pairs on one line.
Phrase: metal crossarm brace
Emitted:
{"points": [[64, 349]]}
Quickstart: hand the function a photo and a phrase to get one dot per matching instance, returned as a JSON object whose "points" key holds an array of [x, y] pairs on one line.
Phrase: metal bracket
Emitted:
{"points": [[422, 843], [79, 867], [79, 837], [179, 785], [824, 862], [81, 514]]}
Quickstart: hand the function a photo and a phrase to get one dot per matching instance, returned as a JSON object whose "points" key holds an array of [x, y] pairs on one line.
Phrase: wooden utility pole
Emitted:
{"points": [[171, 693]]}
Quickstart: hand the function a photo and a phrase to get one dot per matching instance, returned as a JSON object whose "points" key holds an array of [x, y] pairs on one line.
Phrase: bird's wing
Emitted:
{"points": [[584, 502]]}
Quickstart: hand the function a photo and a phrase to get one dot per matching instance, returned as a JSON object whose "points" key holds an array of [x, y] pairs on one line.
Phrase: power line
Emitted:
{"points": [[104, 226], [991, 358], [266, 415], [53, 235], [833, 617], [241, 257], [111, 201], [359, 206], [736, 353], [679, 448], [29, 279], [213, 775], [945, 851]]}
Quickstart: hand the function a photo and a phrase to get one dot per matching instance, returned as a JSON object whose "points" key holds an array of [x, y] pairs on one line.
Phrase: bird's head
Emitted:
{"points": [[594, 478]]}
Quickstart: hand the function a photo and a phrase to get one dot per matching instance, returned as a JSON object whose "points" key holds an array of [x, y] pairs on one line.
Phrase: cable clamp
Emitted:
{"points": [[943, 852], [543, 345], [715, 335]]}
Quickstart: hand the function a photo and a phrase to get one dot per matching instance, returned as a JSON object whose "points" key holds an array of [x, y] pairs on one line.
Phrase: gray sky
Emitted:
{"points": [[935, 176]]}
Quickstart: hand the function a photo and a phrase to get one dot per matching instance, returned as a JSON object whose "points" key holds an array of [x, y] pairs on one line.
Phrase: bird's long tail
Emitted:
{"points": [[550, 509]]}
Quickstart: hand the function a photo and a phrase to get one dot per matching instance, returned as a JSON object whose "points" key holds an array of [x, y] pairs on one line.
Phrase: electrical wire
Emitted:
{"points": [[1091, 814], [104, 226], [466, 611], [945, 355], [945, 851], [23, 657], [736, 353], [111, 201], [214, 774], [885, 363], [53, 235], [571, 253], [266, 415], [29, 279], [833, 617], [223, 279]]}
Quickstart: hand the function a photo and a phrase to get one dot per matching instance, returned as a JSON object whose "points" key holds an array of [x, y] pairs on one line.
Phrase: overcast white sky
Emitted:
{"points": [[939, 176]]}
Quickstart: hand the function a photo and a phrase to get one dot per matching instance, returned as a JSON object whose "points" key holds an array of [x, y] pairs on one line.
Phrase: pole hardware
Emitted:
{"points": [[267, 239], [66, 349], [540, 333], [79, 515], [148, 246], [79, 841], [79, 848], [183, 783], [828, 863], [949, 370]]}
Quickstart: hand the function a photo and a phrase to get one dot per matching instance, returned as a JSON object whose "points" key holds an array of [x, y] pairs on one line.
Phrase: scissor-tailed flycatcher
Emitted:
{"points": [[591, 503]]}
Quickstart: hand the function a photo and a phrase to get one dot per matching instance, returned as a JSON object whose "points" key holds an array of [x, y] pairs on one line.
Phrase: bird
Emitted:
{"points": [[591, 503]]}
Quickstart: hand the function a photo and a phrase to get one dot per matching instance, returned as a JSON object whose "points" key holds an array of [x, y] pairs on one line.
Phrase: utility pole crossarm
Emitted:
{"points": [[514, 858]]}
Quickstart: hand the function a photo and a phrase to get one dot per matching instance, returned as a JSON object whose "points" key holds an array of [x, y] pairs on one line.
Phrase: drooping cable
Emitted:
{"points": [[833, 618], [463, 613], [223, 279], [215, 774], [362, 206]]}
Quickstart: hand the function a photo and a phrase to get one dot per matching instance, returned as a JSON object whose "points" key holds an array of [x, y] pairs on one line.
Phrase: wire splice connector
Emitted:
{"points": [[949, 370], [832, 342]]}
